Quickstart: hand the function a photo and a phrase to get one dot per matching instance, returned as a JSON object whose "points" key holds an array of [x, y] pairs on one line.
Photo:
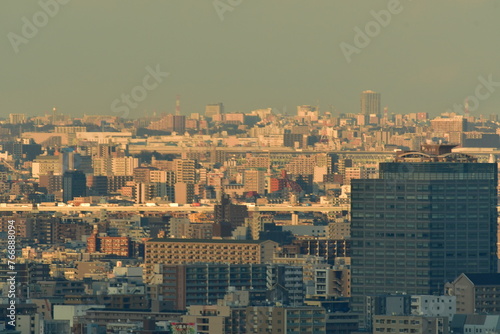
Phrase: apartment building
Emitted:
{"points": [[184, 251], [410, 324], [476, 293]]}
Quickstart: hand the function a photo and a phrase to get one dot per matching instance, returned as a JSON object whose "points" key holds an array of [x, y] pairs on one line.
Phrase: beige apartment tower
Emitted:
{"points": [[184, 170], [254, 180]]}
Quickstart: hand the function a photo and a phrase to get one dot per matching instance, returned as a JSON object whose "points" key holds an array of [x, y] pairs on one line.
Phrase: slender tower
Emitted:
{"points": [[178, 105]]}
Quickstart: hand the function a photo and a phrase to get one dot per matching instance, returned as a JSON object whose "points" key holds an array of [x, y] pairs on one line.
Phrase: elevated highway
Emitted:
{"points": [[99, 208]]}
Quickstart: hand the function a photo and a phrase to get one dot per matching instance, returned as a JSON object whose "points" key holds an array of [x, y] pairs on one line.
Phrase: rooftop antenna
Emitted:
{"points": [[466, 108], [178, 105]]}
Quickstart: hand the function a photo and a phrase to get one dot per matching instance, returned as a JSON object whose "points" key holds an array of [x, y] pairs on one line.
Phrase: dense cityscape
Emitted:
{"points": [[249, 167], [262, 221]]}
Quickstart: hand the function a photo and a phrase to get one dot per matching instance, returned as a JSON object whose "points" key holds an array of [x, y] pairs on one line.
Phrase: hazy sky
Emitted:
{"points": [[262, 53]]}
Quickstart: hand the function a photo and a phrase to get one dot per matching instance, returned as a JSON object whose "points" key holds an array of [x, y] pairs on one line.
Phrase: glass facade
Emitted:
{"points": [[420, 225]]}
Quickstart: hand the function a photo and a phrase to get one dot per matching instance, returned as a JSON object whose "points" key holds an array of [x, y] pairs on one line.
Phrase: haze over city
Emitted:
{"points": [[259, 54]]}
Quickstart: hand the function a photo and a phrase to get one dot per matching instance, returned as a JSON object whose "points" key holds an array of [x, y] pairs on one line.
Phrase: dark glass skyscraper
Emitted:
{"points": [[429, 217], [74, 185]]}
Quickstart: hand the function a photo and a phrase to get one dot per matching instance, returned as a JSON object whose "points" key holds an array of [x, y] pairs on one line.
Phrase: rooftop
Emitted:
{"points": [[484, 279], [216, 241], [434, 153]]}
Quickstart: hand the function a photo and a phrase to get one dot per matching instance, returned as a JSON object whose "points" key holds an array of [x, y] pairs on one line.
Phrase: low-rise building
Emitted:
{"points": [[342, 322], [475, 323], [410, 324], [434, 306], [476, 293], [274, 319]]}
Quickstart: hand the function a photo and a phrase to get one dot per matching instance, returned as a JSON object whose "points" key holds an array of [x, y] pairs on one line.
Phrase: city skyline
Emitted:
{"points": [[235, 213]]}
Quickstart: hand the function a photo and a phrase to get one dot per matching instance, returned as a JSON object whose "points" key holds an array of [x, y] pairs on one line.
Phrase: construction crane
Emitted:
{"points": [[9, 166]]}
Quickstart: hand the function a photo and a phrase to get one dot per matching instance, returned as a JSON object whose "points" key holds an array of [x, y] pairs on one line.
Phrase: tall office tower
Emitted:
{"points": [[184, 170], [370, 103], [74, 184], [214, 109], [429, 217]]}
